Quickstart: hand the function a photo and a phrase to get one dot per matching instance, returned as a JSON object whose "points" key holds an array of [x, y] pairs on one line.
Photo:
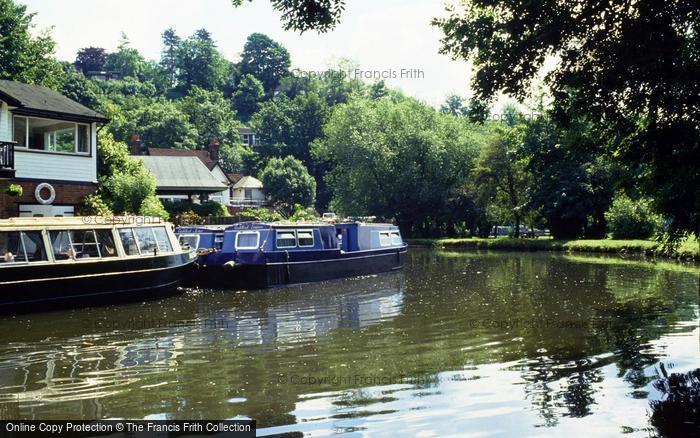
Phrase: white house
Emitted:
{"points": [[48, 146], [248, 192]]}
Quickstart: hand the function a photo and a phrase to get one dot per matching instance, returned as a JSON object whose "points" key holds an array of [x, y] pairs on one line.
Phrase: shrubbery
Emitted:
{"points": [[628, 219], [207, 208]]}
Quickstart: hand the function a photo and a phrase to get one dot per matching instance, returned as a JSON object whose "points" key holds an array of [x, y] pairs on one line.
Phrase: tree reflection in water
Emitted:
{"points": [[678, 412]]}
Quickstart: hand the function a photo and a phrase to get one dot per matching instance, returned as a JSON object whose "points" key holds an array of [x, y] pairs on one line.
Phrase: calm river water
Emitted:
{"points": [[457, 344]]}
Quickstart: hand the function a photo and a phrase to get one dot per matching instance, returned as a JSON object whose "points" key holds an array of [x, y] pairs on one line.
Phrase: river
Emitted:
{"points": [[459, 343]]}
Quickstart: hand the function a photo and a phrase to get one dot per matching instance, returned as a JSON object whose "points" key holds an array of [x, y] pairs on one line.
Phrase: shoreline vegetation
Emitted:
{"points": [[688, 249]]}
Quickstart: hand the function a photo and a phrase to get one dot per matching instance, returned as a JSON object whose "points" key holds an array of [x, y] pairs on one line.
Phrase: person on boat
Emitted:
{"points": [[9, 257]]}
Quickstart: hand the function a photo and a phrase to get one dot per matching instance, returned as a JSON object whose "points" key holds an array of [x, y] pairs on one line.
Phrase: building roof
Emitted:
{"points": [[169, 152], [35, 100], [248, 182], [245, 130], [234, 177], [187, 174]]}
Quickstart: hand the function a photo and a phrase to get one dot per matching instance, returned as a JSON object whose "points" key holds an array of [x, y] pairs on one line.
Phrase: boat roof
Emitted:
{"points": [[79, 222]]}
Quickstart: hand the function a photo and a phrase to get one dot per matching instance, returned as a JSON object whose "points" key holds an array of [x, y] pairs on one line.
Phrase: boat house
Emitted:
{"points": [[48, 147]]}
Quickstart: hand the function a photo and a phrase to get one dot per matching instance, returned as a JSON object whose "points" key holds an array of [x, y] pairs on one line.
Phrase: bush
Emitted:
{"points": [[208, 208], [15, 190], [628, 219], [288, 182], [152, 206], [262, 214], [302, 214], [94, 205]]}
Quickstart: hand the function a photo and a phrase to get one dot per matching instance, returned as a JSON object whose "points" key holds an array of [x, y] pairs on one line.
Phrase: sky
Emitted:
{"points": [[385, 36]]}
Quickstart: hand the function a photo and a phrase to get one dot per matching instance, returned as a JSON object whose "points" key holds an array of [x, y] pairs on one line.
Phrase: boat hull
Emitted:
{"points": [[278, 273], [90, 283]]}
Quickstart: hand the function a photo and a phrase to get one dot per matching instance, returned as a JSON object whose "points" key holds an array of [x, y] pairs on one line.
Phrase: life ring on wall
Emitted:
{"points": [[52, 194]]}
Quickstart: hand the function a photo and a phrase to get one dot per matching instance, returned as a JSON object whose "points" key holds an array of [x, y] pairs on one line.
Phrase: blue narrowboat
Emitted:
{"points": [[256, 255]]}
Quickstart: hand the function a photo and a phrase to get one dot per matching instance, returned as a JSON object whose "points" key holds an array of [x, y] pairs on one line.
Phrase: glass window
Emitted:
{"points": [[247, 240], [106, 240], [128, 241], [146, 240], [286, 239], [85, 244], [396, 239], [11, 248], [83, 139], [189, 240], [248, 194], [306, 237], [162, 239], [20, 131], [384, 239], [34, 246], [61, 245]]}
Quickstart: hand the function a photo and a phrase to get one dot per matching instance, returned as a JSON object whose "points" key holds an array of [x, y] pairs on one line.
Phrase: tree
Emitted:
{"points": [[627, 66], [199, 63], [210, 115], [455, 106], [500, 173], [169, 55], [265, 59], [247, 97], [288, 183], [90, 59], [320, 15], [126, 60], [397, 158], [77, 87], [24, 57]]}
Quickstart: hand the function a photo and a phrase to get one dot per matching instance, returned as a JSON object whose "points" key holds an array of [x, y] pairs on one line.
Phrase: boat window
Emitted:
{"points": [[34, 246], [11, 248], [286, 239], [85, 244], [128, 241], [189, 240], [146, 240], [62, 245], [162, 239], [384, 238], [305, 238], [396, 239], [106, 241], [247, 240]]}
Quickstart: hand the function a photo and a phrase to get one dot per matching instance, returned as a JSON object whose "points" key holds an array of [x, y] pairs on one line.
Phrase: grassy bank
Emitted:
{"points": [[687, 250]]}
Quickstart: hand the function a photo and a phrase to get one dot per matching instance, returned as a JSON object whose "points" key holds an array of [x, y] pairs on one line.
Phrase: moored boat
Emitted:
{"points": [[254, 255], [88, 260]]}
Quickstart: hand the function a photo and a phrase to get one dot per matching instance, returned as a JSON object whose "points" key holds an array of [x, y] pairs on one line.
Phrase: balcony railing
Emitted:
{"points": [[7, 155], [248, 203]]}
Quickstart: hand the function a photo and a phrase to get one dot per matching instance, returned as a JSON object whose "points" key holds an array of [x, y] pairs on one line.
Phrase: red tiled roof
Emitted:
{"points": [[168, 152], [234, 177]]}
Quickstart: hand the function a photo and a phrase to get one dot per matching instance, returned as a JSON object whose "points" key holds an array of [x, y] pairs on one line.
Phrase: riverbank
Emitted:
{"points": [[689, 249]]}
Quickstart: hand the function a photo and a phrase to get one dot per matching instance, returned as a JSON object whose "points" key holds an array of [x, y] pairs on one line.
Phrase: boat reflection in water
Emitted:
{"points": [[94, 356]]}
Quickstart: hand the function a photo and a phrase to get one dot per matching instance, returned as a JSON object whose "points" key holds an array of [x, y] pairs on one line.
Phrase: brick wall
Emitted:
{"points": [[66, 194]]}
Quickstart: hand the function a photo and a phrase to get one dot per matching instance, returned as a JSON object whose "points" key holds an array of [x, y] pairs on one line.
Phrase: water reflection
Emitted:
{"points": [[458, 343]]}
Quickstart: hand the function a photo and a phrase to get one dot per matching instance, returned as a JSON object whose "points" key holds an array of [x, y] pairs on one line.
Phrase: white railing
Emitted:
{"points": [[248, 203]]}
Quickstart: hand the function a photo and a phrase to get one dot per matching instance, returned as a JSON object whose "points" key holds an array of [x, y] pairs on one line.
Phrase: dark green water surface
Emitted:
{"points": [[457, 344]]}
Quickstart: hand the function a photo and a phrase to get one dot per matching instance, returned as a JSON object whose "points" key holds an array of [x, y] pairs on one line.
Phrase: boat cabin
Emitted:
{"points": [[275, 237]]}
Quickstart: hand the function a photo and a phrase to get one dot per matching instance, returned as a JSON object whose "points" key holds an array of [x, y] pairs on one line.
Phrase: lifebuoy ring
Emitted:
{"points": [[52, 194]]}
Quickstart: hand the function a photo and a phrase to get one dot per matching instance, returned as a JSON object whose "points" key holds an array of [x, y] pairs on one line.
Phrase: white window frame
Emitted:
{"points": [[167, 237], [313, 238], [25, 146], [296, 241], [121, 242], [197, 236], [388, 235], [257, 239], [398, 236]]}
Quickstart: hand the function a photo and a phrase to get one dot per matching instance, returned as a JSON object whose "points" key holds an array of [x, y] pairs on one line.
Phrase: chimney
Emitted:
{"points": [[135, 144], [214, 149]]}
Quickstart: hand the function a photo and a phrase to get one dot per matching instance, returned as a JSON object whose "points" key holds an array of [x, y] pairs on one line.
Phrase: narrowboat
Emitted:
{"points": [[256, 255], [88, 260]]}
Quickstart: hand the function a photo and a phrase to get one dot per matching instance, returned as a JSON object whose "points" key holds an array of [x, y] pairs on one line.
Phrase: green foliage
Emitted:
{"points": [[247, 97], [205, 209], [126, 60], [95, 205], [77, 87], [397, 158], [90, 59], [239, 159], [14, 190], [151, 206], [262, 214], [25, 56], [302, 214], [611, 71], [321, 16], [266, 60], [200, 64], [210, 115], [288, 183], [628, 219]]}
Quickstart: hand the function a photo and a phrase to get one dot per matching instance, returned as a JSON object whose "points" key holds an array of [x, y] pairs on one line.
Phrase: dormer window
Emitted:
{"points": [[51, 135]]}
